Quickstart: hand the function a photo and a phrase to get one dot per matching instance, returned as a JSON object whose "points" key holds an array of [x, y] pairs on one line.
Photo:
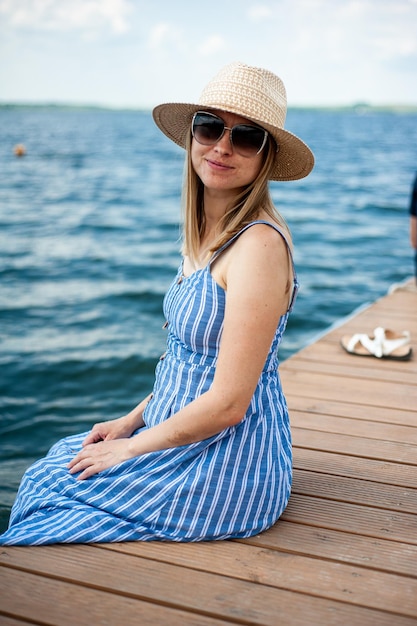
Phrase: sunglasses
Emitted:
{"points": [[247, 140]]}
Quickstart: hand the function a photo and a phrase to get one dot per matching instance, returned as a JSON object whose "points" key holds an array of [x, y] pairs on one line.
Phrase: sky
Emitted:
{"points": [[135, 54]]}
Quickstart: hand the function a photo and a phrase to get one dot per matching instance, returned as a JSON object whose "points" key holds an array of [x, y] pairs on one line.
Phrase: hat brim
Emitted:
{"points": [[294, 159]]}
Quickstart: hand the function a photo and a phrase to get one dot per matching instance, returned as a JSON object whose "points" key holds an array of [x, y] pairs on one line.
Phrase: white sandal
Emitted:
{"points": [[384, 344]]}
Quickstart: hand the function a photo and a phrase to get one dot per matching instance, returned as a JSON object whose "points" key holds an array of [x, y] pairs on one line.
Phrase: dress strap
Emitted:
{"points": [[228, 243]]}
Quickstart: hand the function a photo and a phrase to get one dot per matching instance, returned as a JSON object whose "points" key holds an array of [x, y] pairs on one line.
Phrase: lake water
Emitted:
{"points": [[89, 242]]}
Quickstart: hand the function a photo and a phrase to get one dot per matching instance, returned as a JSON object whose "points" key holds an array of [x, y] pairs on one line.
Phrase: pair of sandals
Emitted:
{"points": [[383, 344]]}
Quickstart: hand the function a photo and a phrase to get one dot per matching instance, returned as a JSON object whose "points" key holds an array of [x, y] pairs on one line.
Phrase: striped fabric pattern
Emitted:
{"points": [[234, 484]]}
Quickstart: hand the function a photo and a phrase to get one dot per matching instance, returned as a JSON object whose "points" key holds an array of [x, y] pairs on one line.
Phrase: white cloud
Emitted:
{"points": [[211, 45], [159, 34], [354, 29], [62, 15], [164, 35], [259, 12], [394, 36]]}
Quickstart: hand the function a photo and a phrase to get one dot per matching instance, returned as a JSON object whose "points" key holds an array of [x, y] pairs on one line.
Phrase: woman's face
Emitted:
{"points": [[219, 166]]}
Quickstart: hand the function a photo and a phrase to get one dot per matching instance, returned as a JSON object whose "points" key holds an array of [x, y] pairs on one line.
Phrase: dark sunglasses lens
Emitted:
{"points": [[207, 129], [248, 140]]}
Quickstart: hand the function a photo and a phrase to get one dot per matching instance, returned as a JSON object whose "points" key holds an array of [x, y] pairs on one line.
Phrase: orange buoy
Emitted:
{"points": [[19, 150]]}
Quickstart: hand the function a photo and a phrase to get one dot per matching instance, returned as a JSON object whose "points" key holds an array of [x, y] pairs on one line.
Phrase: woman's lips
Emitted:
{"points": [[217, 165]]}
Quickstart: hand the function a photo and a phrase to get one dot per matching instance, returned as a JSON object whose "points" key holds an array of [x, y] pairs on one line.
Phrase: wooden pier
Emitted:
{"points": [[344, 552]]}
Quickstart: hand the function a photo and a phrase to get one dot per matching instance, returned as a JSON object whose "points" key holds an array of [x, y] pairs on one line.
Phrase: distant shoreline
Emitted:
{"points": [[360, 108]]}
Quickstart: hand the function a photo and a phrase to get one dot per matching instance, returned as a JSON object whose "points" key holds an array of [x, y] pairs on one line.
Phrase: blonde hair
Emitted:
{"points": [[246, 207]]}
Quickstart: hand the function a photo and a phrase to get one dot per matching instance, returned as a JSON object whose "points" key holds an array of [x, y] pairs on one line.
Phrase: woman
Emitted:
{"points": [[207, 455]]}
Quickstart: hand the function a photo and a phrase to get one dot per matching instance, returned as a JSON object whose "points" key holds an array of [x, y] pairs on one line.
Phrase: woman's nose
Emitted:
{"points": [[225, 143]]}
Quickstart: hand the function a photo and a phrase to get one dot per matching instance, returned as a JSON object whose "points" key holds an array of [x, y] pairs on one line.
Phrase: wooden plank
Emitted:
{"points": [[355, 427], [325, 358], [354, 467], [283, 570], [395, 452], [352, 518], [238, 601], [381, 313], [58, 603], [352, 411], [11, 621], [325, 543], [358, 391], [387, 497]]}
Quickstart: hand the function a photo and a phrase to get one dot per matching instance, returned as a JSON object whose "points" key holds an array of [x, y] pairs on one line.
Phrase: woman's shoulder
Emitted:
{"points": [[265, 231], [260, 236], [259, 244], [257, 235]]}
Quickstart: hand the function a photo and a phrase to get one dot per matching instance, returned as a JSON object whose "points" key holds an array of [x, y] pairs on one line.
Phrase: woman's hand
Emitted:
{"points": [[96, 457], [119, 428]]}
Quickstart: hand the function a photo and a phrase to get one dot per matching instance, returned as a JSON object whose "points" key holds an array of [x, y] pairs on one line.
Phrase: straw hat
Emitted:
{"points": [[253, 93]]}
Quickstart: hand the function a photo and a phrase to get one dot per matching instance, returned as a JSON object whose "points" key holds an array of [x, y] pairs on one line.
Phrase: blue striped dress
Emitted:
{"points": [[234, 484]]}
